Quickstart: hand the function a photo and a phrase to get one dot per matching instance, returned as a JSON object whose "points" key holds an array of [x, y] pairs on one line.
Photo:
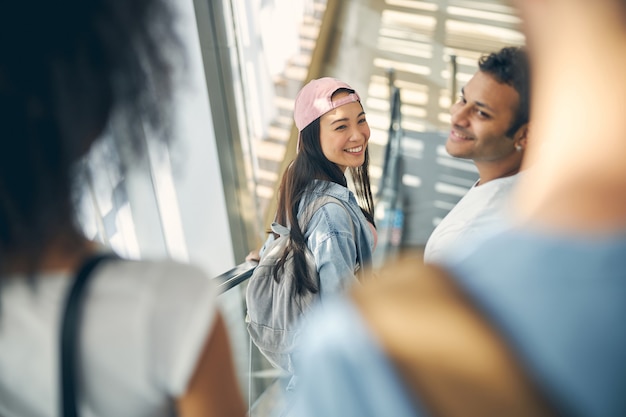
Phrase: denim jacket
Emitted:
{"points": [[340, 255]]}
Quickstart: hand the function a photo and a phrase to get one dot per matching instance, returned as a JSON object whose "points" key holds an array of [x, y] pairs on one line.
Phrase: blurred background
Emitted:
{"points": [[208, 199]]}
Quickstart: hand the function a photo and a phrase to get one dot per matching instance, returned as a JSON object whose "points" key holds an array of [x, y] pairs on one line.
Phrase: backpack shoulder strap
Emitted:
{"points": [[70, 332], [315, 205]]}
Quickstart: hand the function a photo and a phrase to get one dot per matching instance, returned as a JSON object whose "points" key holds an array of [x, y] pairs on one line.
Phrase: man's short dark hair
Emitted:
{"points": [[510, 66]]}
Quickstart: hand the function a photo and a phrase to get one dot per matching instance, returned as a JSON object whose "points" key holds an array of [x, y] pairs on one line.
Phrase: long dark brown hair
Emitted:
{"points": [[298, 182]]}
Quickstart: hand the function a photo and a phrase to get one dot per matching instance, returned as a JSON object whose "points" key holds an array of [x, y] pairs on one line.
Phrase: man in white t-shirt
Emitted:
{"points": [[490, 127]]}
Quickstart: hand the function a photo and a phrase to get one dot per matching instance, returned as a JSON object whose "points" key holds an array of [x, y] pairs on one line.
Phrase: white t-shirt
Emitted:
{"points": [[142, 331], [478, 214]]}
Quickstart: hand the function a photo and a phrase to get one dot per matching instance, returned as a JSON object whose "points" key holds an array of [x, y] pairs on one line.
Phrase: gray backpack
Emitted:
{"points": [[274, 311]]}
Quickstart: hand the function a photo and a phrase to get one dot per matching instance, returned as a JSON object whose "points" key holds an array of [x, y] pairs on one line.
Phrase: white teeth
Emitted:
{"points": [[355, 150], [460, 136]]}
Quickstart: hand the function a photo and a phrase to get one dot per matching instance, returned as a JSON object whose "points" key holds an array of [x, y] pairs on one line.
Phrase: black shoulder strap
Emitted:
{"points": [[315, 205], [69, 334]]}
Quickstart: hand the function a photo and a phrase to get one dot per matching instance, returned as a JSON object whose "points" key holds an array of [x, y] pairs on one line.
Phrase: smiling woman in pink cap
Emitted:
{"points": [[333, 139], [340, 233]]}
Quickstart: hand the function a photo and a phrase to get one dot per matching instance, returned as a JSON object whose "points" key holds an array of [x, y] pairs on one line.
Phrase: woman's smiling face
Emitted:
{"points": [[344, 134]]}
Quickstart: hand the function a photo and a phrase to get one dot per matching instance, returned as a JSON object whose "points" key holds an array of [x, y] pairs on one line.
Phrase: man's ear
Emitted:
{"points": [[521, 136]]}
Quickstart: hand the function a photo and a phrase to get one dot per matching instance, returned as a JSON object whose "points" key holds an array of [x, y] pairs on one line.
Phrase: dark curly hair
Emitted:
{"points": [[68, 69], [510, 66]]}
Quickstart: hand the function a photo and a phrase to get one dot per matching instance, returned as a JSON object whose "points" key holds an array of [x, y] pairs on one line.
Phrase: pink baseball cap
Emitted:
{"points": [[315, 100]]}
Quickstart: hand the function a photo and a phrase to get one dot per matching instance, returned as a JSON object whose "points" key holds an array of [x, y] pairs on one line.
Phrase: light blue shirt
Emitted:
{"points": [[344, 372], [560, 301], [557, 300]]}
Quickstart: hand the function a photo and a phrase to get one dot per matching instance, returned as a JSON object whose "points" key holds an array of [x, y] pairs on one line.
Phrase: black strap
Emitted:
{"points": [[69, 335]]}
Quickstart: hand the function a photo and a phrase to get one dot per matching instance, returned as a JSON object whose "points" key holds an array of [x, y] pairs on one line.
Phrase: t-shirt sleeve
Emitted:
{"points": [[183, 310], [343, 370]]}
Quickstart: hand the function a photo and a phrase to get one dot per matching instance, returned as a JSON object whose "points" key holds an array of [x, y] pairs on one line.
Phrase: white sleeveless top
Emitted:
{"points": [[144, 326]]}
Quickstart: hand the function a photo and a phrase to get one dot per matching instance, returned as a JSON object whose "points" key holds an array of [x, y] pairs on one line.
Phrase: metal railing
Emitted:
{"points": [[265, 395], [389, 204], [235, 276]]}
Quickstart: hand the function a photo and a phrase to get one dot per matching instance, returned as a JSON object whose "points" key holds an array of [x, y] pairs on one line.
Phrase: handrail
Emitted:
{"points": [[392, 148], [453, 71], [235, 276], [389, 204]]}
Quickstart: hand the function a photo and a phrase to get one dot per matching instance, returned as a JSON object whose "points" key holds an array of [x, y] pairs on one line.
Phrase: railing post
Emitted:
{"points": [[453, 71]]}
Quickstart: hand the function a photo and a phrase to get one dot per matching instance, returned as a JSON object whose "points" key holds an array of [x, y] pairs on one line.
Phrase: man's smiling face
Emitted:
{"points": [[481, 119]]}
